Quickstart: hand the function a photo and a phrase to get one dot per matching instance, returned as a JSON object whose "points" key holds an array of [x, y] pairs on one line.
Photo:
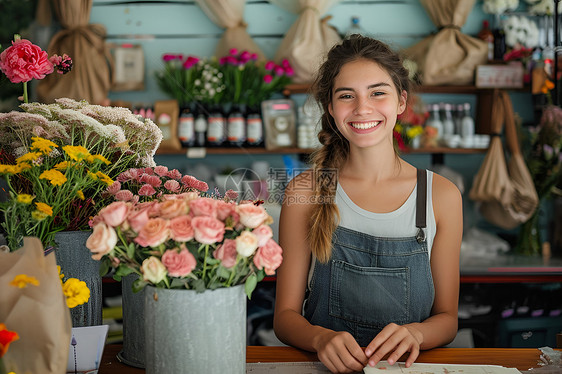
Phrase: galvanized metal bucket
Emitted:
{"points": [[132, 353], [190, 332], [75, 260]]}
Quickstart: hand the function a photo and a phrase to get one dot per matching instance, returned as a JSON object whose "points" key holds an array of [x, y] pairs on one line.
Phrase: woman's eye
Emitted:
{"points": [[377, 93], [345, 96]]}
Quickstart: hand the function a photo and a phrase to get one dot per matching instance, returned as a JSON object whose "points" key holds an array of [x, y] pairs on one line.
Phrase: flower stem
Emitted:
{"points": [[205, 262], [25, 100]]}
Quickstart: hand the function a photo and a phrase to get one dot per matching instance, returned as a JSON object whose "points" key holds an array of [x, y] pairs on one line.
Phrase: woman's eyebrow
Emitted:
{"points": [[376, 85]]}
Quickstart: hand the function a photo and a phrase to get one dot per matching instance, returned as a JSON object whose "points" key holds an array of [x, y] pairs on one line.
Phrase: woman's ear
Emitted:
{"points": [[330, 110], [403, 100]]}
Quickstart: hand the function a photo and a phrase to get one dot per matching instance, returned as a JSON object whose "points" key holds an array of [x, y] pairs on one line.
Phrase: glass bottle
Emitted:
{"points": [[186, 128], [200, 127], [487, 35], [467, 129], [216, 127], [499, 40], [448, 123], [434, 120], [254, 128], [236, 126]]}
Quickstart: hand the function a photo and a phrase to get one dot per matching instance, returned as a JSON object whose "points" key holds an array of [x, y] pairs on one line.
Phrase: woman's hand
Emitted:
{"points": [[339, 352], [395, 340]]}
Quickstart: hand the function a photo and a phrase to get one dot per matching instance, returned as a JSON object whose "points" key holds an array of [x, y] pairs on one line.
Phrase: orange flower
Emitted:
{"points": [[547, 86], [6, 337]]}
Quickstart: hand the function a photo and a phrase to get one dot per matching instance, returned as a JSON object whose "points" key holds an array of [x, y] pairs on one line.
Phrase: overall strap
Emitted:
{"points": [[421, 204]]}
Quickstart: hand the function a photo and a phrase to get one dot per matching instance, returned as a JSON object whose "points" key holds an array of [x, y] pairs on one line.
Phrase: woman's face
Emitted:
{"points": [[365, 103]]}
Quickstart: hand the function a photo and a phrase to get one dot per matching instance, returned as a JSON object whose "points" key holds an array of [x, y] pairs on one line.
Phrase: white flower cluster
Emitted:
{"points": [[499, 6], [521, 31], [210, 84], [543, 7]]}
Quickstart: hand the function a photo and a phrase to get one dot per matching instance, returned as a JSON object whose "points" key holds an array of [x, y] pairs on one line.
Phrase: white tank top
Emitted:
{"points": [[395, 224]]}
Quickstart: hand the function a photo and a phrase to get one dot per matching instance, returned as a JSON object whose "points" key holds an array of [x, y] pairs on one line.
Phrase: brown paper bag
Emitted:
{"points": [[506, 191], [38, 314], [448, 56]]}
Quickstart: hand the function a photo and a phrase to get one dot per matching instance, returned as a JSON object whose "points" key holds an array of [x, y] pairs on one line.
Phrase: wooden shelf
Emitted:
{"points": [[242, 151]]}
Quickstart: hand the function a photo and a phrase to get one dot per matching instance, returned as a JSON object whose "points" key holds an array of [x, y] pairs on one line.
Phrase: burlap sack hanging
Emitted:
{"points": [[90, 77], [448, 56], [506, 191]]}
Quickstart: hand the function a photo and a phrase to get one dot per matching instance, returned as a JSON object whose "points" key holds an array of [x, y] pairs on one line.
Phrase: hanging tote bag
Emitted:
{"points": [[505, 190]]}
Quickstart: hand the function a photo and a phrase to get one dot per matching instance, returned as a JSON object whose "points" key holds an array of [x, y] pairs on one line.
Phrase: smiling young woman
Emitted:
{"points": [[371, 243]]}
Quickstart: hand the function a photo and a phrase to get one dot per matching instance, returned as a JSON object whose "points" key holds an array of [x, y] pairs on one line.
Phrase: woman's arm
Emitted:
{"points": [[337, 350], [441, 327]]}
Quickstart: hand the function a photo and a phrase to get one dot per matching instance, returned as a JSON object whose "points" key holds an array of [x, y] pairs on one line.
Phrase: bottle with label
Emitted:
{"points": [[186, 129], [200, 128], [236, 127], [254, 128], [467, 127], [448, 122], [487, 35], [434, 121], [216, 127]]}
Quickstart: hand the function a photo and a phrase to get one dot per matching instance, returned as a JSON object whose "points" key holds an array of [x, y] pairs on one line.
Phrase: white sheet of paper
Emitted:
{"points": [[419, 368], [90, 342]]}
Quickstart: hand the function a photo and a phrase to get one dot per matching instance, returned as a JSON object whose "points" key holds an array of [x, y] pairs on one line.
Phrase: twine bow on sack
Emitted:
{"points": [[506, 191]]}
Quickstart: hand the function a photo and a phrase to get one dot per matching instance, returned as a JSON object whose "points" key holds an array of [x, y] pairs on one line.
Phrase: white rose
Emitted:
{"points": [[102, 240], [153, 270], [246, 244]]}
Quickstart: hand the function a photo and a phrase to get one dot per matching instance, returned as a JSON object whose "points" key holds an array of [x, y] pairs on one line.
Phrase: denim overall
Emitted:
{"points": [[372, 281]]}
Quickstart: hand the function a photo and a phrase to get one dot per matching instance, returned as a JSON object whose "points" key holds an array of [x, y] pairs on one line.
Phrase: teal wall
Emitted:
{"points": [[176, 26]]}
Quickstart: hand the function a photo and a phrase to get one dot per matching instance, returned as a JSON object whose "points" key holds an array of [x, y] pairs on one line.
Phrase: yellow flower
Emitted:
{"points": [[22, 280], [93, 158], [54, 176], [80, 194], [76, 292], [61, 275], [30, 156], [24, 198], [42, 145], [61, 166], [76, 152], [92, 175], [104, 178], [44, 208], [38, 216]]}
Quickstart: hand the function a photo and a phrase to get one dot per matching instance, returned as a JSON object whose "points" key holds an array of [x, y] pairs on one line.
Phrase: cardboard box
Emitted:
{"points": [[499, 76]]}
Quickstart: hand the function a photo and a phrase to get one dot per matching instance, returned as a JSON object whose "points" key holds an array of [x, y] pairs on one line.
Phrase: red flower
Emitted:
{"points": [[24, 61], [6, 337]]}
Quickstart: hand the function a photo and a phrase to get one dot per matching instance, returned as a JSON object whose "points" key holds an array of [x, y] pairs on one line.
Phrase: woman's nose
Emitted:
{"points": [[363, 106]]}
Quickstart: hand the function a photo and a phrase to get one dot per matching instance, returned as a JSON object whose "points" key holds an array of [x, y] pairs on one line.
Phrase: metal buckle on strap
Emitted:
{"points": [[420, 235]]}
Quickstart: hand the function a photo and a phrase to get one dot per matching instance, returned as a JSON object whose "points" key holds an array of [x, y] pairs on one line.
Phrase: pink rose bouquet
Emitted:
{"points": [[176, 235]]}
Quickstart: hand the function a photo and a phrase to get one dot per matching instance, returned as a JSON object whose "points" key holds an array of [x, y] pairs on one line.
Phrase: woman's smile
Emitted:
{"points": [[364, 127]]}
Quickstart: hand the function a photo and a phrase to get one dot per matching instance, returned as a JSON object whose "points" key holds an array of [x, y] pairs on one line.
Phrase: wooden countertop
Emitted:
{"points": [[520, 358]]}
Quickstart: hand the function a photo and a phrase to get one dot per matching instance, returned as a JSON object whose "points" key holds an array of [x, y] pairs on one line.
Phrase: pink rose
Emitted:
{"points": [[172, 208], [204, 206], [264, 233], [174, 174], [207, 230], [269, 257], [179, 264], [153, 270], [181, 229], [138, 218], [102, 240], [246, 244], [226, 252], [115, 213], [224, 209], [24, 61], [153, 233], [251, 215]]}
